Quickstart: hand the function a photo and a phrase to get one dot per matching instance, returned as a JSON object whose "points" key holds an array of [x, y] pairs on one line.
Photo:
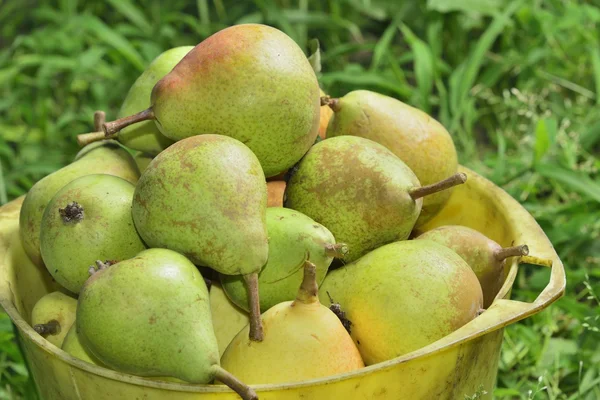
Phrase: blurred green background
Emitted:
{"points": [[517, 83]]}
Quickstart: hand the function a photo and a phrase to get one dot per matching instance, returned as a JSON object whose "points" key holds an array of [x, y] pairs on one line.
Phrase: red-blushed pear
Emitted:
{"points": [[251, 82], [411, 134], [305, 340], [53, 315], [361, 191], [404, 296], [206, 197], [486, 257], [150, 316]]}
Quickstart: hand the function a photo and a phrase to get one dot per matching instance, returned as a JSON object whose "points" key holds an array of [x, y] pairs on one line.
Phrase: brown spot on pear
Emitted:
{"points": [[53, 315]]}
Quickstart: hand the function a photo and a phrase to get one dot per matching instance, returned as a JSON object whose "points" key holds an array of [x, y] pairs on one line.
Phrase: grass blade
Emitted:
{"points": [[576, 181]]}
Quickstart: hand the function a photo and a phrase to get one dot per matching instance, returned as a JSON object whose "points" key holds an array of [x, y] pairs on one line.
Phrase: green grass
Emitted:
{"points": [[517, 83]]}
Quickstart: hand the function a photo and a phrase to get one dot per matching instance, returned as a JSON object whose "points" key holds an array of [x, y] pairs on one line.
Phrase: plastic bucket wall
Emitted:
{"points": [[450, 368]]}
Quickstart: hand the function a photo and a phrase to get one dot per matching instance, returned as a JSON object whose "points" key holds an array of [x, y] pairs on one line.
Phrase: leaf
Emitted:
{"points": [[596, 68], [545, 137], [114, 39], [423, 67], [590, 136], [576, 181], [133, 14], [486, 7]]}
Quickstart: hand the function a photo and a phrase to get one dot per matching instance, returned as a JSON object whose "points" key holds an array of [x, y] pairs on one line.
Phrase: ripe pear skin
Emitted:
{"points": [[359, 190], [484, 256], [411, 134], [292, 237], [150, 316], [106, 157], [303, 340], [325, 117], [73, 346], [228, 319], [275, 192], [404, 296], [103, 231], [55, 306], [205, 197], [145, 136], [250, 82]]}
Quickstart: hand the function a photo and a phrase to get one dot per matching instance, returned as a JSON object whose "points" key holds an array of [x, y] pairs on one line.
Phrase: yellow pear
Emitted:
{"points": [[303, 340], [73, 346], [228, 319]]}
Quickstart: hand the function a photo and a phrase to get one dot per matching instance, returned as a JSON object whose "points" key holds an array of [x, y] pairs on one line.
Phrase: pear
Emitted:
{"points": [[404, 296], [250, 82], [305, 340], [106, 158], [228, 319], [142, 160], [275, 191], [53, 315], [486, 257], [73, 346], [88, 220], [292, 238], [363, 193], [144, 136], [150, 316], [411, 134], [325, 116], [206, 197]]}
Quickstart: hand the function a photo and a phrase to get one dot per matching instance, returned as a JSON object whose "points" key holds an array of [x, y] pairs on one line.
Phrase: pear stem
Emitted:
{"points": [[456, 179], [245, 391], [49, 328], [336, 250], [256, 328], [99, 120], [111, 128], [86, 138], [309, 290], [333, 103], [513, 251]]}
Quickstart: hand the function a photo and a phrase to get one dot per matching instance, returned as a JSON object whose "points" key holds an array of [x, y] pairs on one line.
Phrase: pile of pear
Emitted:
{"points": [[236, 225]]}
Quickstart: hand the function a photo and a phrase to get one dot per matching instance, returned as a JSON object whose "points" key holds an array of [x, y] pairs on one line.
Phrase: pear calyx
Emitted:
{"points": [[336, 308], [245, 391], [72, 212], [115, 126], [309, 289], [99, 265], [337, 250], [333, 103], [87, 138], [256, 328], [51, 327], [513, 251], [456, 179]]}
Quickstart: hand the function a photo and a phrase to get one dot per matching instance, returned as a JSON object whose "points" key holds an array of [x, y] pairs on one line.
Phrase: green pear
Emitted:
{"points": [[363, 193], [73, 346], [150, 316], [486, 257], [53, 315], [411, 134], [142, 160], [292, 238], [404, 296], [107, 157], [144, 136], [206, 197], [228, 319], [86, 222], [250, 82], [305, 340]]}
